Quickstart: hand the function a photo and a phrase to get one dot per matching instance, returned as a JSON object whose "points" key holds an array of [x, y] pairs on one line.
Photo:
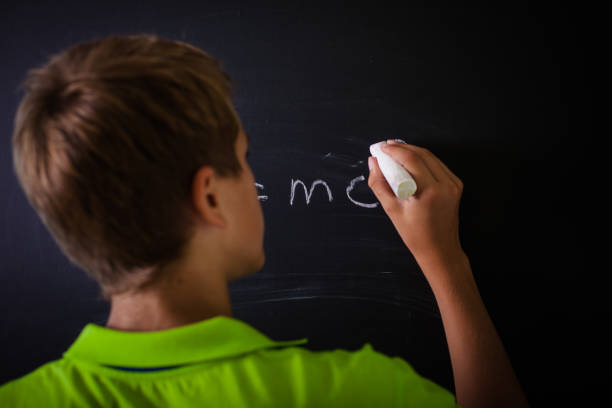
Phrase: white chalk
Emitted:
{"points": [[401, 182]]}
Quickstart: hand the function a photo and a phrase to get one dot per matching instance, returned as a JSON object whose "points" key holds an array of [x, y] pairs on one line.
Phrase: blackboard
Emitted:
{"points": [[484, 89]]}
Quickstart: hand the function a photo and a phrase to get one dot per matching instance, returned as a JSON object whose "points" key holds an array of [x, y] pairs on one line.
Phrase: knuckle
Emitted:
{"points": [[410, 154], [434, 193]]}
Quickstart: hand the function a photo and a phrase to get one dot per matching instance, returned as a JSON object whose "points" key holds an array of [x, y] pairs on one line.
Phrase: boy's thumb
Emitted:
{"points": [[378, 184]]}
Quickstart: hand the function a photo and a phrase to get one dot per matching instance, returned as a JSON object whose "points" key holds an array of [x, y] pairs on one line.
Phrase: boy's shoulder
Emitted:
{"points": [[19, 391], [363, 377]]}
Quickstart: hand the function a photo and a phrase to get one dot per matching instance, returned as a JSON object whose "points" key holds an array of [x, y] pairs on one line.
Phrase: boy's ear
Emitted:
{"points": [[205, 197]]}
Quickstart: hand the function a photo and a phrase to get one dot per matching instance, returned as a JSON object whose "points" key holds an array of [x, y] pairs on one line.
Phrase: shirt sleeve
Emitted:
{"points": [[375, 379]]}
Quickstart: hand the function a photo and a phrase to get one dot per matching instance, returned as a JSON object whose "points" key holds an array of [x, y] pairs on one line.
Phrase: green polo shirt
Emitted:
{"points": [[218, 362]]}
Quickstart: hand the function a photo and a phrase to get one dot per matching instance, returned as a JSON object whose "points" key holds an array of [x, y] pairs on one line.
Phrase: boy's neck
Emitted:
{"points": [[178, 303]]}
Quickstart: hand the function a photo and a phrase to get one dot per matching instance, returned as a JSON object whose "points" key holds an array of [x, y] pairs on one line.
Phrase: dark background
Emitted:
{"points": [[500, 95]]}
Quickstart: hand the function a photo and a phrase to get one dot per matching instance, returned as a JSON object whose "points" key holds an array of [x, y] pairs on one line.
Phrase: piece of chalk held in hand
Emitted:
{"points": [[401, 182]]}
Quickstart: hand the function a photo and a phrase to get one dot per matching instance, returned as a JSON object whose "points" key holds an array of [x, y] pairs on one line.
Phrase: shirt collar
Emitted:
{"points": [[214, 338]]}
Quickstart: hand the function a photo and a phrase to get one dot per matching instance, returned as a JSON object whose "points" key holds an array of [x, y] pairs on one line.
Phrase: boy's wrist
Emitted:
{"points": [[445, 268], [438, 259]]}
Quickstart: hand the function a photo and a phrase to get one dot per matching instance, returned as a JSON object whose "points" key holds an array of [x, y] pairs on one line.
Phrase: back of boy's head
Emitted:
{"points": [[106, 141]]}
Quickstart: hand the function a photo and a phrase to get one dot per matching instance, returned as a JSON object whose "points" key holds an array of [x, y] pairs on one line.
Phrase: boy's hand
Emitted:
{"points": [[428, 221]]}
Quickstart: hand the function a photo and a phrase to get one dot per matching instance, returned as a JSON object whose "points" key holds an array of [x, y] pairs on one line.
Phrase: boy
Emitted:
{"points": [[131, 153]]}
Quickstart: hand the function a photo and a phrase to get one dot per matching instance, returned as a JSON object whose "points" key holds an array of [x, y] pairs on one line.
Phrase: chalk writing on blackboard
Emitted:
{"points": [[308, 193]]}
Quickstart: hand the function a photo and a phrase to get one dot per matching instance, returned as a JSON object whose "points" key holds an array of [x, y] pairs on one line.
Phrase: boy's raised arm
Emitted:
{"points": [[428, 223]]}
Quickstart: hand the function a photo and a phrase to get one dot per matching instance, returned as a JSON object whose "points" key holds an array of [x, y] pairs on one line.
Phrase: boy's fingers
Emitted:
{"points": [[380, 187], [440, 171], [434, 160], [414, 163]]}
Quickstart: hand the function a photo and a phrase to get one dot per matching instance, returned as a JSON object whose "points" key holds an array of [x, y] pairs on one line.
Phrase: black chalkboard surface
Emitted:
{"points": [[484, 89]]}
